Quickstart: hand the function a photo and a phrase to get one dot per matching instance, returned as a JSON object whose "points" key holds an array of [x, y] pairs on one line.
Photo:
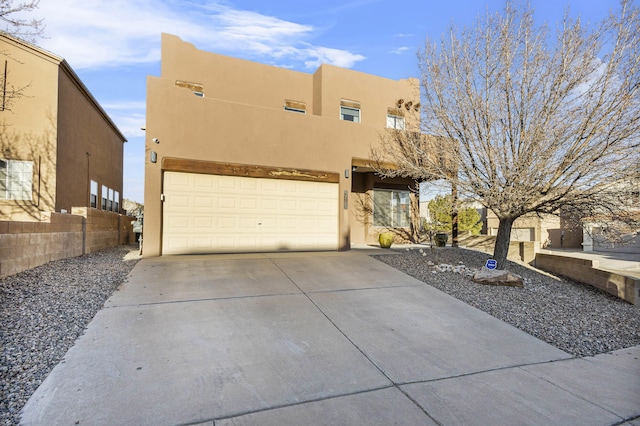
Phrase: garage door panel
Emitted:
{"points": [[179, 221], [226, 222], [203, 182], [210, 213], [202, 202], [269, 204], [244, 185], [248, 204], [226, 183], [180, 201], [203, 223], [179, 179]]}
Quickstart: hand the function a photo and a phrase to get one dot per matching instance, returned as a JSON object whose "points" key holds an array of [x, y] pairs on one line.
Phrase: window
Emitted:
{"points": [[295, 106], [105, 194], [395, 122], [350, 111], [395, 118], [16, 180], [116, 201], [391, 208], [93, 197], [110, 200]]}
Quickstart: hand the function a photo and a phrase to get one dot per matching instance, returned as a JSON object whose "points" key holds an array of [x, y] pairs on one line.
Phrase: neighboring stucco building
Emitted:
{"points": [[59, 148], [242, 156], [548, 231]]}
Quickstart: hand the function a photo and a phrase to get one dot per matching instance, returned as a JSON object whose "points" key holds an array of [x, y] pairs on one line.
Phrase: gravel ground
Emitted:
{"points": [[44, 310], [574, 317]]}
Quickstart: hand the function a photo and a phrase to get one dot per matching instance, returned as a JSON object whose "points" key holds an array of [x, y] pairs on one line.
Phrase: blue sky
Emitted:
{"points": [[113, 45]]}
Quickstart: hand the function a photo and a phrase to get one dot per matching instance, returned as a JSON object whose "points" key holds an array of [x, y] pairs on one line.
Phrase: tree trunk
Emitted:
{"points": [[503, 239], [454, 214]]}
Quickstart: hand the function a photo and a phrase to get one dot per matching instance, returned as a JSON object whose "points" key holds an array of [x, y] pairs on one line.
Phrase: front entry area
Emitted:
{"points": [[207, 213]]}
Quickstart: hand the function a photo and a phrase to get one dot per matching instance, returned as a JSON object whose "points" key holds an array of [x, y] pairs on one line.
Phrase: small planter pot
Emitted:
{"points": [[441, 239], [385, 239]]}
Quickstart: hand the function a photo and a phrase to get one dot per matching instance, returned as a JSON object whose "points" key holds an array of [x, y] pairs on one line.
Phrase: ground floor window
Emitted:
{"points": [[391, 208], [104, 193], [116, 201], [16, 180], [93, 199]]}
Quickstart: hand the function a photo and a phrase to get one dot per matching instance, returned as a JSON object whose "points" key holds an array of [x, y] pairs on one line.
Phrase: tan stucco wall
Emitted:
{"points": [[241, 120], [54, 123], [28, 127], [546, 229], [82, 129]]}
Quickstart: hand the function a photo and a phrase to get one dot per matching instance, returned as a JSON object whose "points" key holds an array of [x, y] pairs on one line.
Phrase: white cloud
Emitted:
{"points": [[400, 50], [99, 33], [320, 55], [129, 116]]}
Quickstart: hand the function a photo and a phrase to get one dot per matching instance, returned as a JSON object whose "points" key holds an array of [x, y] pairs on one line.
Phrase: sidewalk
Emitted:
{"points": [[317, 338]]}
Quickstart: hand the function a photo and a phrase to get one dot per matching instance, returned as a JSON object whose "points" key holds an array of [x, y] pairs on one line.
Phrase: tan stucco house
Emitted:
{"points": [[59, 147], [247, 157]]}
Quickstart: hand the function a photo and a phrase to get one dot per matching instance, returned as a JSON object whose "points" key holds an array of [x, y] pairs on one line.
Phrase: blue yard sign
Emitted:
{"points": [[491, 264]]}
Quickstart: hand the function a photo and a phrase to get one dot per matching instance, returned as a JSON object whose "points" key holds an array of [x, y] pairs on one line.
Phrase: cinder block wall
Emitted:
{"points": [[102, 228], [586, 271], [25, 245], [105, 229], [127, 236]]}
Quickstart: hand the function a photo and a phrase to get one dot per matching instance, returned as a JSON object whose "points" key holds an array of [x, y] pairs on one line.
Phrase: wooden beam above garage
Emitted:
{"points": [[184, 165]]}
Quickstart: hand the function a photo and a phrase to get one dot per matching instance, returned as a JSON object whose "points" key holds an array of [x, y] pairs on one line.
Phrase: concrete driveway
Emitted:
{"points": [[316, 338]]}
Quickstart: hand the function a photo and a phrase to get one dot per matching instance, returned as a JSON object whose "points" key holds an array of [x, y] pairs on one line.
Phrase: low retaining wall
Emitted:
{"points": [[25, 245], [586, 271], [105, 229]]}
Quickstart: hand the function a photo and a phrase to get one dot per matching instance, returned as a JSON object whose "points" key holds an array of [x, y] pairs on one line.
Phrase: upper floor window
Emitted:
{"points": [[295, 106], [16, 180], [350, 111], [395, 122], [395, 118]]}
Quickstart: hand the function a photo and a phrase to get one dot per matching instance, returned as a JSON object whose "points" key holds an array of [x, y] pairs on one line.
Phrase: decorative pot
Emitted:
{"points": [[385, 239], [441, 239]]}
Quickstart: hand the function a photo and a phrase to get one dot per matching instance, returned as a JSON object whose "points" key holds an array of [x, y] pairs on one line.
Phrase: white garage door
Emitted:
{"points": [[213, 213]]}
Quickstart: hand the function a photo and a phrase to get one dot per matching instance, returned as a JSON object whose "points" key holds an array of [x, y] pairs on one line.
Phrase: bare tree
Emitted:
{"points": [[527, 120], [14, 22]]}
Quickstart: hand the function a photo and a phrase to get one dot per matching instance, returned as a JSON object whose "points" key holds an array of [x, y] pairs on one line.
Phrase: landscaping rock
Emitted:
{"points": [[497, 277]]}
